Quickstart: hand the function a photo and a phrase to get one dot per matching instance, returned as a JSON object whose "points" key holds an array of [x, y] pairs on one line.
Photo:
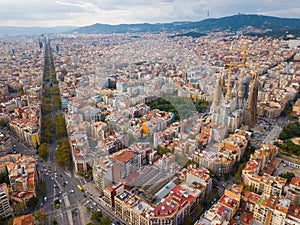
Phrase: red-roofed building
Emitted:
{"points": [[174, 208], [22, 175], [128, 162], [22, 196], [111, 191], [293, 191], [24, 220], [200, 176], [272, 210], [293, 216], [216, 215], [230, 203], [265, 184], [249, 200], [245, 218]]}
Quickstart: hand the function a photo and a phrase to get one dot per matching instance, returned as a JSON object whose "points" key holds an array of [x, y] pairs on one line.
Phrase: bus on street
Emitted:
{"points": [[79, 187]]}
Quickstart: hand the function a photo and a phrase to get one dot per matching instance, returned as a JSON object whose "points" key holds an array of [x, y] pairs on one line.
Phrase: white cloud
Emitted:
{"points": [[86, 12]]}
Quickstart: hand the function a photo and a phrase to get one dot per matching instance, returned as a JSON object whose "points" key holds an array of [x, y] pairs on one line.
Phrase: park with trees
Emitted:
{"points": [[290, 137]]}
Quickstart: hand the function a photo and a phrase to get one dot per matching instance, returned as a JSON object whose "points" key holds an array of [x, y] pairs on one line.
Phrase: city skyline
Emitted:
{"points": [[51, 13]]}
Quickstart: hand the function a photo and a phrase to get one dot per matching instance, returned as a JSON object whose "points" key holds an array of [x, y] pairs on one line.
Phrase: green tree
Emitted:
{"points": [[19, 208], [46, 108], [63, 153], [97, 215], [88, 208], [47, 92], [43, 151], [290, 131], [197, 210], [55, 90], [56, 102], [46, 100], [60, 128], [187, 221], [105, 221], [288, 176], [10, 221], [42, 188], [54, 221], [238, 173], [40, 217], [90, 174], [162, 150], [4, 122], [4, 178], [48, 136], [32, 202]]}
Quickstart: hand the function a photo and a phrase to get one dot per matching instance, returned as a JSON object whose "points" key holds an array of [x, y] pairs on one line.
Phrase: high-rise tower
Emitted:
{"points": [[251, 116], [217, 97]]}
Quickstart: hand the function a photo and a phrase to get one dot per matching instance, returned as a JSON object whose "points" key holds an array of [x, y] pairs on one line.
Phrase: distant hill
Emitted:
{"points": [[231, 23], [35, 30], [267, 24]]}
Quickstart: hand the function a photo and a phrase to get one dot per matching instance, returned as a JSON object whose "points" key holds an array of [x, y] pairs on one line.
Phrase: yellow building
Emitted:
{"points": [[132, 208], [272, 210]]}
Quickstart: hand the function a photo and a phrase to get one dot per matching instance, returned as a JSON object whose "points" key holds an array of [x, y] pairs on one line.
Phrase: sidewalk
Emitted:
{"points": [[67, 204], [91, 188], [85, 216]]}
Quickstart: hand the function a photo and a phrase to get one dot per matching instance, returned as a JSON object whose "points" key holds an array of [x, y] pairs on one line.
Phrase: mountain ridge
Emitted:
{"points": [[267, 24], [231, 23]]}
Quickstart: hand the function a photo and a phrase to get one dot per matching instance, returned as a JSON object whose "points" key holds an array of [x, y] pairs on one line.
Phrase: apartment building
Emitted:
{"points": [[176, 206], [216, 215], [22, 175], [293, 191], [5, 209], [272, 210], [132, 208], [25, 219], [224, 210], [265, 184], [128, 162], [221, 157], [111, 169], [27, 124]]}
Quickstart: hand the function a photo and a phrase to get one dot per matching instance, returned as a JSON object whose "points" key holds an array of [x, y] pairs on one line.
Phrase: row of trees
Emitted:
{"points": [[48, 129], [63, 153], [60, 128], [50, 104], [43, 150], [98, 219], [47, 123]]}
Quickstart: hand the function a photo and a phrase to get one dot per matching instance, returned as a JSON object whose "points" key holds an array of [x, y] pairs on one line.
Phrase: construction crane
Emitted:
{"points": [[229, 66], [242, 64], [243, 50]]}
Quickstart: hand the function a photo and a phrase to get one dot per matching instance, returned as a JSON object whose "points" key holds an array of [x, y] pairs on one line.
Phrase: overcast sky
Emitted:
{"points": [[81, 12]]}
